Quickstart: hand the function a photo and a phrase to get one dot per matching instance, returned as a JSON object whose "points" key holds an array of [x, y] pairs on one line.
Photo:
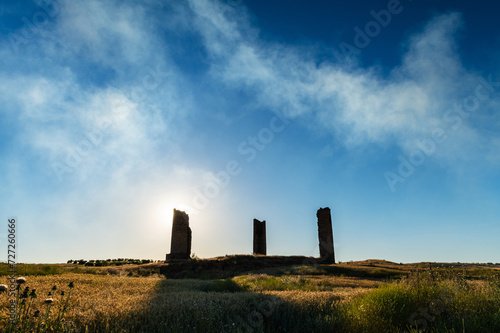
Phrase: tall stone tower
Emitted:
{"points": [[180, 246], [325, 235], [259, 237]]}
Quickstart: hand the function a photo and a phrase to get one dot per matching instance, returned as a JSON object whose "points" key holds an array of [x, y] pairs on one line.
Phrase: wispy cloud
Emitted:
{"points": [[95, 99], [98, 68], [100, 101], [357, 105]]}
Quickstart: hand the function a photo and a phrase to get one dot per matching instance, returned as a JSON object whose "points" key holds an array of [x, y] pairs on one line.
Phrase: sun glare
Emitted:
{"points": [[167, 210]]}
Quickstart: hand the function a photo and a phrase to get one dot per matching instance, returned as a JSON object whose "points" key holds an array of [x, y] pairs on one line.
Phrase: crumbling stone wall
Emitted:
{"points": [[180, 246], [325, 235], [259, 237]]}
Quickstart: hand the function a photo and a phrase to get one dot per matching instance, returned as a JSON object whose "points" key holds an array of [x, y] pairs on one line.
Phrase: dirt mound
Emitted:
{"points": [[229, 266]]}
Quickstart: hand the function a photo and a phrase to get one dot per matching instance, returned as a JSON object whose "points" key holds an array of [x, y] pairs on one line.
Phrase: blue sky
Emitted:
{"points": [[115, 112]]}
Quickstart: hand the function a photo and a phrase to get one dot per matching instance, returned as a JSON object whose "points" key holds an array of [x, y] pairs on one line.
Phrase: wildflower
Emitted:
{"points": [[36, 313], [62, 292], [54, 288], [21, 280], [3, 288], [33, 293], [71, 284], [48, 300]]}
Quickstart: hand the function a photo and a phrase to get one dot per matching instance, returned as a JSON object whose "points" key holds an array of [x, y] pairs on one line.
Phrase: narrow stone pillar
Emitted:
{"points": [[180, 246], [259, 237], [325, 235]]}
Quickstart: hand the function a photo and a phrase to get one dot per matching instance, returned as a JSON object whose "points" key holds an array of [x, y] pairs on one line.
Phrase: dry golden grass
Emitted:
{"points": [[320, 296], [107, 298], [93, 297]]}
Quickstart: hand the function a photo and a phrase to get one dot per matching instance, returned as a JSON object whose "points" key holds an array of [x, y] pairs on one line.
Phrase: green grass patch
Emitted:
{"points": [[444, 306], [31, 269], [263, 282]]}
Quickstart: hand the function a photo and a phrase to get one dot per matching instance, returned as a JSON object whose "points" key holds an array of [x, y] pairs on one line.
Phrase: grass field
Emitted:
{"points": [[368, 296]]}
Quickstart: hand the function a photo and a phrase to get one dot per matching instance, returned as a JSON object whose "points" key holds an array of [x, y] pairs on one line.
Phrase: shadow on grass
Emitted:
{"points": [[376, 273], [224, 306], [219, 306], [197, 305]]}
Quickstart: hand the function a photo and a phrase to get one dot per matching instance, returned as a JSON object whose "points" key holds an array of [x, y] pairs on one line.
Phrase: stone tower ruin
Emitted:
{"points": [[259, 237], [325, 235], [180, 246]]}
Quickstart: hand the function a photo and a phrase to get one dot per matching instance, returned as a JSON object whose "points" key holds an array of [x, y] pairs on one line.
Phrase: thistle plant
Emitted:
{"points": [[28, 318]]}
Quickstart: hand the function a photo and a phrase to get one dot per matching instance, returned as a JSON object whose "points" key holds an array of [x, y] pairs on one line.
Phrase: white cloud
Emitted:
{"points": [[104, 31], [117, 138], [133, 117], [49, 96], [357, 105]]}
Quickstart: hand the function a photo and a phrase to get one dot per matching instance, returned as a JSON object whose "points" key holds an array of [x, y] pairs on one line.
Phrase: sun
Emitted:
{"points": [[167, 213]]}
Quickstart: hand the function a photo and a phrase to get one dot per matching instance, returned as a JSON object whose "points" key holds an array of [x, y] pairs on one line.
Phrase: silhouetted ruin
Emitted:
{"points": [[259, 237], [325, 235], [180, 246]]}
